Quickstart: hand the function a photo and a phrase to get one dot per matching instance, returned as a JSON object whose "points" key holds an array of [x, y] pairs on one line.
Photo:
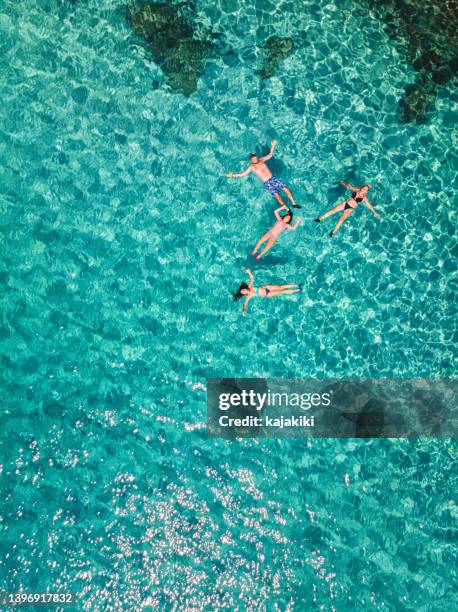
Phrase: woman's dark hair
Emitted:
{"points": [[251, 155], [238, 294], [288, 214]]}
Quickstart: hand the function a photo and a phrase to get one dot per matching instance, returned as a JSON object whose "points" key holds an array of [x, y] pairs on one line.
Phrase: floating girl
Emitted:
{"points": [[358, 196], [248, 291], [283, 223]]}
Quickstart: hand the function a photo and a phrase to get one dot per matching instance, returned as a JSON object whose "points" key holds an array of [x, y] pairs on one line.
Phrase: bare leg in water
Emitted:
{"points": [[280, 289], [333, 211], [345, 216], [290, 196], [271, 241], [280, 201], [339, 208]]}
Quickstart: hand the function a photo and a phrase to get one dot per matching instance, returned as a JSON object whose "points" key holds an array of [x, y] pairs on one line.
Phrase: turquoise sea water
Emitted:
{"points": [[122, 241]]}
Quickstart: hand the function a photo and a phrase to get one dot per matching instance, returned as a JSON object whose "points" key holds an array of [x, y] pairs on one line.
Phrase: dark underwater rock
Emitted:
{"points": [[426, 35], [173, 40], [370, 421], [417, 102], [276, 49]]}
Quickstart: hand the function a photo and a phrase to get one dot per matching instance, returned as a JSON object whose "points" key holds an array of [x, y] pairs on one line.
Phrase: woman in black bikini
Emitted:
{"points": [[248, 291], [358, 196]]}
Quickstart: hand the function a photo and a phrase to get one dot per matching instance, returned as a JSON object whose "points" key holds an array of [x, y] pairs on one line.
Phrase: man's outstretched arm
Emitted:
{"points": [[271, 152], [234, 174]]}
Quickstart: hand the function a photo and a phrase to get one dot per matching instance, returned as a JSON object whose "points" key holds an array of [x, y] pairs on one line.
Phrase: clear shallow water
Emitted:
{"points": [[121, 243]]}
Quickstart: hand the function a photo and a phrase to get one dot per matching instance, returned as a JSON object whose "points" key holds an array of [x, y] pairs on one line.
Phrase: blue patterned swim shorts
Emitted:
{"points": [[274, 185]]}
